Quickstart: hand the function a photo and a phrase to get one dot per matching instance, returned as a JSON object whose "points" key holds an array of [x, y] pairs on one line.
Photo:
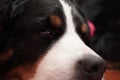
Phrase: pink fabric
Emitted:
{"points": [[92, 28]]}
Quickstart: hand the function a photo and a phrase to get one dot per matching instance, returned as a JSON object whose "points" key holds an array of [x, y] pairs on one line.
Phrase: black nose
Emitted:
{"points": [[92, 66]]}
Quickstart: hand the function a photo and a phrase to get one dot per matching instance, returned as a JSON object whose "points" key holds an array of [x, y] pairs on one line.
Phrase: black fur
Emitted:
{"points": [[26, 29], [105, 15], [106, 41]]}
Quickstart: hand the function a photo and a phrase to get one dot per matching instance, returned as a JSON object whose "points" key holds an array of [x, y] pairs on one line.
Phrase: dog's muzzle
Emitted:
{"points": [[92, 67]]}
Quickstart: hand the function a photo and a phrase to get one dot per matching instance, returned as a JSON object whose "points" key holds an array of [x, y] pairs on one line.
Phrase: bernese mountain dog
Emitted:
{"points": [[107, 34], [46, 40]]}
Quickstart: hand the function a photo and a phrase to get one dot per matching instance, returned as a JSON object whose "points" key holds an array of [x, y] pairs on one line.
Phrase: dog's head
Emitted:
{"points": [[45, 40]]}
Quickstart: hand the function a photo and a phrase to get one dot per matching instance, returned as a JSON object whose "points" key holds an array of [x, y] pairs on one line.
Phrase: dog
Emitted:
{"points": [[46, 40], [106, 39]]}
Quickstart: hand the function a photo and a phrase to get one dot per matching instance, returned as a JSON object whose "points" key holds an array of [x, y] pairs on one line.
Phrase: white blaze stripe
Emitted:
{"points": [[69, 21], [58, 63], [71, 40]]}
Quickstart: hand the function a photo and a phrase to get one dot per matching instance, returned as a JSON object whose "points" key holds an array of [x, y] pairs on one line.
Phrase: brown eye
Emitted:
{"points": [[47, 34]]}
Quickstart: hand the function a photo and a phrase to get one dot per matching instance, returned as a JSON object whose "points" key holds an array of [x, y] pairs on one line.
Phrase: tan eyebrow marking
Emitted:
{"points": [[55, 21], [84, 28]]}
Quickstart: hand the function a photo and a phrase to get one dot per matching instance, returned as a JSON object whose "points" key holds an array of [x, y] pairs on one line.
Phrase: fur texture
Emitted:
{"points": [[107, 36], [46, 40]]}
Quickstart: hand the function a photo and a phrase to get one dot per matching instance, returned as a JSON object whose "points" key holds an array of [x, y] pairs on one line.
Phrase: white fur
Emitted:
{"points": [[59, 62]]}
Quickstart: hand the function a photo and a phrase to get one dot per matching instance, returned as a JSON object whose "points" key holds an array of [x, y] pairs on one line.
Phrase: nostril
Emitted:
{"points": [[94, 69], [91, 70]]}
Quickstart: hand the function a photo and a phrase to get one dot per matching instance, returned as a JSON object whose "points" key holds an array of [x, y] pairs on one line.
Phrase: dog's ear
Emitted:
{"points": [[90, 8]]}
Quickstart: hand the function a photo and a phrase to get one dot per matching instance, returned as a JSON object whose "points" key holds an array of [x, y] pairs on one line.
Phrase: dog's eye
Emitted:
{"points": [[47, 34]]}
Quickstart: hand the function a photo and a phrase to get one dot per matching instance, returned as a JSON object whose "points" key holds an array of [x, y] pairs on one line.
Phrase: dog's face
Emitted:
{"points": [[45, 40]]}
